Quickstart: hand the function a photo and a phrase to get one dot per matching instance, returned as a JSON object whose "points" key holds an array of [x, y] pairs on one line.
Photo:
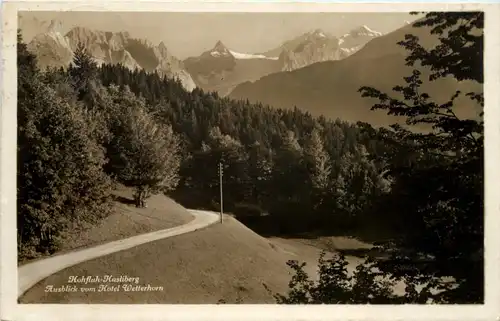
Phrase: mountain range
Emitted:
{"points": [[317, 45], [315, 71], [221, 69], [330, 88], [55, 49]]}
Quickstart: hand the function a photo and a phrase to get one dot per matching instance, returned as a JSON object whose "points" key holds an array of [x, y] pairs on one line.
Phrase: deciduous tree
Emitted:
{"points": [[143, 153], [61, 184]]}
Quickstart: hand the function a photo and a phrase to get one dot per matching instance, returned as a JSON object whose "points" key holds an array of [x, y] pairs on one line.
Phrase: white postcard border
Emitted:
{"points": [[10, 310]]}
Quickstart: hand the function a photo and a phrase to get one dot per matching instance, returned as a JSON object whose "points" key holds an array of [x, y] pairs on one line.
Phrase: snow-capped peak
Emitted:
{"points": [[238, 55], [318, 33], [219, 46], [219, 50], [315, 34], [364, 31], [365, 27]]}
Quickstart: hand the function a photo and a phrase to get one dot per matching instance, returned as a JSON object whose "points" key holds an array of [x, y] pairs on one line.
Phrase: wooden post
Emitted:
{"points": [[221, 198]]}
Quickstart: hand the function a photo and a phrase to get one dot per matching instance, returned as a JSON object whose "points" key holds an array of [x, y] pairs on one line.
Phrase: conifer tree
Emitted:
{"points": [[319, 161], [83, 72]]}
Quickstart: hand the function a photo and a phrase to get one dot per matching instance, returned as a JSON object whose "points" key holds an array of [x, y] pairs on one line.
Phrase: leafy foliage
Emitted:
{"points": [[60, 177], [443, 188], [335, 285], [143, 153], [434, 185]]}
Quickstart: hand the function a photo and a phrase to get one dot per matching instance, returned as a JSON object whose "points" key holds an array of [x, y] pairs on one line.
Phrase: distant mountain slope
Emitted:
{"points": [[331, 88], [54, 48]]}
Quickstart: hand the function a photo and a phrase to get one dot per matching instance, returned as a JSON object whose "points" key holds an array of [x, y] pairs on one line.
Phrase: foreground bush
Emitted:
{"points": [[61, 183]]}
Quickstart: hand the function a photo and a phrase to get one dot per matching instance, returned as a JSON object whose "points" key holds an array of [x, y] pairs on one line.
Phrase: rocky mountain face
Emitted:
{"points": [[356, 39], [330, 88], [55, 48], [313, 47], [51, 47], [221, 69], [32, 26], [317, 46], [218, 69]]}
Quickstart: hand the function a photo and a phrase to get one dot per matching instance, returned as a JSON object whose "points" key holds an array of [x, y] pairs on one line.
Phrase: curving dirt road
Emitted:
{"points": [[32, 273]]}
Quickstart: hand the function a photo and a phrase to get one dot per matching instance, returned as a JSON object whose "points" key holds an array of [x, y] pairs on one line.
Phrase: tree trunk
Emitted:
{"points": [[20, 235], [147, 194], [142, 193], [141, 198], [138, 197]]}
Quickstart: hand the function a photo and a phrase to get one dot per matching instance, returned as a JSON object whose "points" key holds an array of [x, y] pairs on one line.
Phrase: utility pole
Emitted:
{"points": [[220, 184]]}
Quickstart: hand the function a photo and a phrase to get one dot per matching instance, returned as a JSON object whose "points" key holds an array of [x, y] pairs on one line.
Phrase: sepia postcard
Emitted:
{"points": [[250, 161]]}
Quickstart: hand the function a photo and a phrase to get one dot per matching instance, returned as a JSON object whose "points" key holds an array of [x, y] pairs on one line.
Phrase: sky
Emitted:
{"points": [[190, 34]]}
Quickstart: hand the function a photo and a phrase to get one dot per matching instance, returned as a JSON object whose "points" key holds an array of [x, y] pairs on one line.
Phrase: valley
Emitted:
{"points": [[331, 164]]}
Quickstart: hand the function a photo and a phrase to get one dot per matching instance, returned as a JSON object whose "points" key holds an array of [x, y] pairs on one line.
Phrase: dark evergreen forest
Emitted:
{"points": [[303, 172]]}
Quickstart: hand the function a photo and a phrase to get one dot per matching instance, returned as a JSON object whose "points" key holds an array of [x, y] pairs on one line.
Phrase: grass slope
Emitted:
{"points": [[228, 262], [127, 220]]}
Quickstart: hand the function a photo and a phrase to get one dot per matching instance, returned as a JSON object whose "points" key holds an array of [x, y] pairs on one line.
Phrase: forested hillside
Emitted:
{"points": [[281, 162], [285, 172], [285, 163]]}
